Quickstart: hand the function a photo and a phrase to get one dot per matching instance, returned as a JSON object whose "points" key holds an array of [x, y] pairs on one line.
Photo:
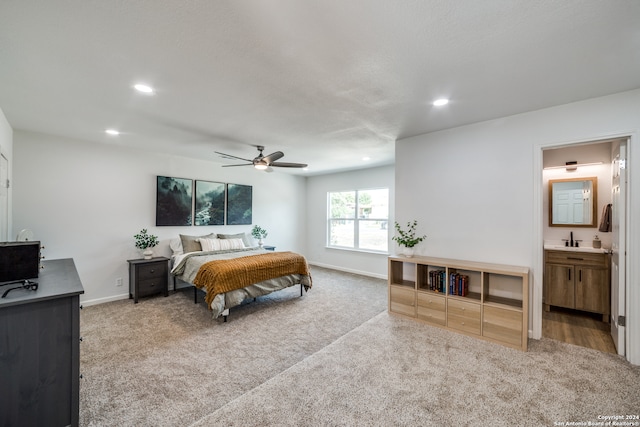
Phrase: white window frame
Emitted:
{"points": [[356, 222]]}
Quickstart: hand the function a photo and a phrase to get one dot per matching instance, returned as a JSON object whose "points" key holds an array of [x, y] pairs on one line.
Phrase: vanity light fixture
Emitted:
{"points": [[143, 88], [440, 102], [572, 165], [112, 132]]}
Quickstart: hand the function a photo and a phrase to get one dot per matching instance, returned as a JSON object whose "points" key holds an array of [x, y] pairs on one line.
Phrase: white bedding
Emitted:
{"points": [[186, 266]]}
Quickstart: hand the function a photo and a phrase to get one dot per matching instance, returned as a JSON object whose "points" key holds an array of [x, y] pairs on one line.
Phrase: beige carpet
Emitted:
{"points": [[332, 357]]}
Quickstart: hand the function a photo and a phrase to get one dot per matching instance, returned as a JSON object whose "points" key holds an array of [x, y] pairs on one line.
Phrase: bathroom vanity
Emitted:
{"points": [[577, 278]]}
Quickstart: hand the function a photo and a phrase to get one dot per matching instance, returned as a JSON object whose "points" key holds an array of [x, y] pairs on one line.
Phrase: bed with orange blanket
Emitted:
{"points": [[230, 277]]}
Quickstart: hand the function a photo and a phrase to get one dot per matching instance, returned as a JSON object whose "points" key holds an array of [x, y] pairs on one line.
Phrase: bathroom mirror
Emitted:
{"points": [[573, 202]]}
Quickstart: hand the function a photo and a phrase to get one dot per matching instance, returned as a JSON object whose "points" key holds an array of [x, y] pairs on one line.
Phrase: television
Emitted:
{"points": [[19, 260]]}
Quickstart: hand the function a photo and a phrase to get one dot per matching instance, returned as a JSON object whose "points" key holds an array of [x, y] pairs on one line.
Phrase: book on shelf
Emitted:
{"points": [[458, 284], [437, 280]]}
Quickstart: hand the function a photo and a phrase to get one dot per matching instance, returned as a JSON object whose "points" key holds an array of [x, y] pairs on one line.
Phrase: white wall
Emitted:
{"points": [[6, 149], [86, 201], [477, 188], [352, 261]]}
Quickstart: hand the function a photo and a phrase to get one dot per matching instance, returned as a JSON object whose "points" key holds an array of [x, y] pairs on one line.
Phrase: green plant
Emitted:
{"points": [[259, 232], [144, 240], [408, 238]]}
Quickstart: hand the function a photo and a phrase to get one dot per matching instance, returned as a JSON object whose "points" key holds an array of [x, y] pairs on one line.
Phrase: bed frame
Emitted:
{"points": [[225, 313]]}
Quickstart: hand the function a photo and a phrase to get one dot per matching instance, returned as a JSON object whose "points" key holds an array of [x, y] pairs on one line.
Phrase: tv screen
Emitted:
{"points": [[19, 261]]}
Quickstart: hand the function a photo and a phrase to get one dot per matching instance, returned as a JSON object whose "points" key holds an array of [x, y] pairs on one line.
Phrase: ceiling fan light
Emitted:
{"points": [[261, 166], [143, 88]]}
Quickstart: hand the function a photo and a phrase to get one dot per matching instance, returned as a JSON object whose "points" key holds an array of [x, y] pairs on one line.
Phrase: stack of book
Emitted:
{"points": [[437, 280], [458, 284]]}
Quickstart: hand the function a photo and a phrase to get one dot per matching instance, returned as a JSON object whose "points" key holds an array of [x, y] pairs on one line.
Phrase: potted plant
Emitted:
{"points": [[408, 238], [145, 242], [259, 233]]}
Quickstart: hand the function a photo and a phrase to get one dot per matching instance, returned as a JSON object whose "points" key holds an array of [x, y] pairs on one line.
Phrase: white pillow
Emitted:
{"points": [[221, 244], [209, 244], [176, 246]]}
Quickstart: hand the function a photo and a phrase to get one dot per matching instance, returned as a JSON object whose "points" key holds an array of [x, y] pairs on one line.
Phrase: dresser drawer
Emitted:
{"points": [[402, 301], [577, 258], [463, 316], [503, 325], [152, 270], [432, 308], [151, 286]]}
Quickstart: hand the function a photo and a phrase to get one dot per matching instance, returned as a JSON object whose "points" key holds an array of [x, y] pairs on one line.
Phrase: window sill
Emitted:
{"points": [[366, 251]]}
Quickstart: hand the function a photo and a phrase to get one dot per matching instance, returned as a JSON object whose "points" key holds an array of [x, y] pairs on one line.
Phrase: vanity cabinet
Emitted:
{"points": [[487, 301], [578, 280]]}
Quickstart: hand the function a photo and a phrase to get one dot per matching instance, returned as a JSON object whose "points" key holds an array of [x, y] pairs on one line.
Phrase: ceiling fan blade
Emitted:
{"points": [[243, 164], [273, 157], [288, 165], [229, 156]]}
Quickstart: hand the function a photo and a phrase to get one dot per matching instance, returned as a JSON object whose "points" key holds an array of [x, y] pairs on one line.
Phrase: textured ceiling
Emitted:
{"points": [[326, 82]]}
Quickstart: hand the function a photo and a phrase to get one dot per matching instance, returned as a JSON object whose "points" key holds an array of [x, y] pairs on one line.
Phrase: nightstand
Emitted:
{"points": [[269, 248], [148, 277]]}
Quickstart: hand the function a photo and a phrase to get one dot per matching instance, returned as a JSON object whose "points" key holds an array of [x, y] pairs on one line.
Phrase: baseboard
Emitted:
{"points": [[331, 267], [348, 270], [103, 300]]}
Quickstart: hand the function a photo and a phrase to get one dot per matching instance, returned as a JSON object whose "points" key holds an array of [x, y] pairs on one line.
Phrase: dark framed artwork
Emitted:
{"points": [[174, 201], [239, 199], [209, 198]]}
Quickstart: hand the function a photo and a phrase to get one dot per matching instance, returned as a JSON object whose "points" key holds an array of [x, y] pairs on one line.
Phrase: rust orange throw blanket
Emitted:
{"points": [[226, 275]]}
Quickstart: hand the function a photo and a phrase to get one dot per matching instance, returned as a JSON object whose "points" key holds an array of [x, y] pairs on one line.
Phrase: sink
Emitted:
{"points": [[578, 249]]}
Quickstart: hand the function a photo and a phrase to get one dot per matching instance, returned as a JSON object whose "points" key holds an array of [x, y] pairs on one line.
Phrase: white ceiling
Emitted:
{"points": [[325, 81]]}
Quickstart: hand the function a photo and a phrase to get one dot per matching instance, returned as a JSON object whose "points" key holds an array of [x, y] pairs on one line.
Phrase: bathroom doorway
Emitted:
{"points": [[569, 318]]}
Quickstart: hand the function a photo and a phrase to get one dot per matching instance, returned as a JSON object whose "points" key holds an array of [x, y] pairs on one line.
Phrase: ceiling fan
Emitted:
{"points": [[263, 162]]}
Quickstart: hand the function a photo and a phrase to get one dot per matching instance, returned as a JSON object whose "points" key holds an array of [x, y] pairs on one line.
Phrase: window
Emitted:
{"points": [[359, 219]]}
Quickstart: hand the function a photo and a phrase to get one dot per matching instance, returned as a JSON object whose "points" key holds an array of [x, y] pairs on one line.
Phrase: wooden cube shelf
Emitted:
{"points": [[488, 301]]}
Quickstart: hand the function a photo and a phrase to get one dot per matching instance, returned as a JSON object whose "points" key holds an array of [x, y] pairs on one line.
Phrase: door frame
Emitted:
{"points": [[6, 214], [632, 237]]}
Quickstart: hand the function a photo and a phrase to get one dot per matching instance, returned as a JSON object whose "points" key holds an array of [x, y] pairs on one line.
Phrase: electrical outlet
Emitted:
{"points": [[119, 281]]}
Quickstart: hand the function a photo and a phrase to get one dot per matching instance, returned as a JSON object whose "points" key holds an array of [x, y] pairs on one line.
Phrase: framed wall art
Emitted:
{"points": [[174, 201], [209, 203], [239, 204]]}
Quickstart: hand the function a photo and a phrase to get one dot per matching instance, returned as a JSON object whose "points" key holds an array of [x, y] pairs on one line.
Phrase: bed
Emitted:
{"points": [[229, 269]]}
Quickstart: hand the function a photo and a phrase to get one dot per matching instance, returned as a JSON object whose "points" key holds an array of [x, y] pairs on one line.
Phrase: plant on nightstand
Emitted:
{"points": [[408, 238], [259, 233], [145, 242]]}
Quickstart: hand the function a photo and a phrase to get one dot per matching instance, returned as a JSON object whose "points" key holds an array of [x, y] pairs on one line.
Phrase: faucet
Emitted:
{"points": [[571, 241]]}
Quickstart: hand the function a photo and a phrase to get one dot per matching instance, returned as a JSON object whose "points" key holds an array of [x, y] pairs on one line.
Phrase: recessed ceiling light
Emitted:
{"points": [[112, 132], [440, 102], [140, 87], [366, 158]]}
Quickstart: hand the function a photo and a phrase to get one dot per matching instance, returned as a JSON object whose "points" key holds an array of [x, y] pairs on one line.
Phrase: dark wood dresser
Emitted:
{"points": [[40, 349]]}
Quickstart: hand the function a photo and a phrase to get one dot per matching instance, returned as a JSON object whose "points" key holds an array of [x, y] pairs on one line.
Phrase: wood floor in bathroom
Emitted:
{"points": [[579, 328]]}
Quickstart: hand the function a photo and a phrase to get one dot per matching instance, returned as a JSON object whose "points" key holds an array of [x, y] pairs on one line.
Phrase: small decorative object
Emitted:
{"points": [[408, 238], [259, 233], [145, 242], [597, 243]]}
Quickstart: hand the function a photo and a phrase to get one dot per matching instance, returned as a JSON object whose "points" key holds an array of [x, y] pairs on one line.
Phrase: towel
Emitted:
{"points": [[605, 222]]}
